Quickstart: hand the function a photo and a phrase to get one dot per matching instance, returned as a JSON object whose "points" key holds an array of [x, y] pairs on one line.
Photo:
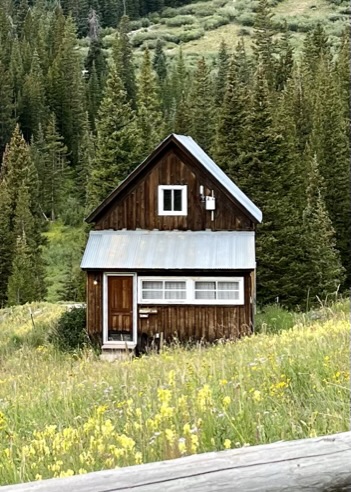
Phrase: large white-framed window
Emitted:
{"points": [[172, 200], [191, 290]]}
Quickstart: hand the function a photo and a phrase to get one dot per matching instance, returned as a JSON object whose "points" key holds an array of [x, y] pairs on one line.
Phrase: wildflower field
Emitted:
{"points": [[66, 414]]}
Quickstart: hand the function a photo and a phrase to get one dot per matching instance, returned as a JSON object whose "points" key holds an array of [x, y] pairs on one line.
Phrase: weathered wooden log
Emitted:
{"points": [[320, 464]]}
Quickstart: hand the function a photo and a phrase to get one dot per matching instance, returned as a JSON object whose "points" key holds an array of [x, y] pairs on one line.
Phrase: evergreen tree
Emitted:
{"points": [[50, 155], [66, 90], [263, 44], [223, 61], [323, 271], [6, 243], [33, 107], [7, 121], [202, 107], [122, 54], [232, 122], [159, 62], [150, 121], [286, 61], [117, 141], [19, 180], [330, 141]]}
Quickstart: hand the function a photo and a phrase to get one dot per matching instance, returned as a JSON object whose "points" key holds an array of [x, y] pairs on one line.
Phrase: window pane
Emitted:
{"points": [[228, 285], [175, 285], [175, 294], [205, 285], [205, 294], [152, 294], [167, 200], [177, 194], [152, 284], [228, 294]]}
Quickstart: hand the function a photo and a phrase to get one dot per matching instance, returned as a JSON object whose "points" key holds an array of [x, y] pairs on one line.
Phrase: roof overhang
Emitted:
{"points": [[170, 250]]}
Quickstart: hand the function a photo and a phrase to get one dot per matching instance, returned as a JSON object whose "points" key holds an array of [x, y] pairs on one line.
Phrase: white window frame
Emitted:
{"points": [[106, 343], [184, 210], [190, 291]]}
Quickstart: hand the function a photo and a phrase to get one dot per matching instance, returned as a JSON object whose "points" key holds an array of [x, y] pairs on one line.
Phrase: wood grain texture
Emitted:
{"points": [[311, 465], [137, 206]]}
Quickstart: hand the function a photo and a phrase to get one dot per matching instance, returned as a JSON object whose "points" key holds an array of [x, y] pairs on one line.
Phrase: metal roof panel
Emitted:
{"points": [[167, 250]]}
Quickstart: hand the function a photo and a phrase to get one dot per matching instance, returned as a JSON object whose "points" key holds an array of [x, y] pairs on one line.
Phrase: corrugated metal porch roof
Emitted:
{"points": [[170, 250]]}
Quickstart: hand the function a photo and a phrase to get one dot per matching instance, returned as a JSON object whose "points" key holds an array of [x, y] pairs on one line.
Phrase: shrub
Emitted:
{"points": [[180, 20], [274, 319], [244, 32], [246, 19], [229, 12], [214, 22], [169, 12], [145, 22], [70, 332], [134, 25], [204, 10], [191, 35]]}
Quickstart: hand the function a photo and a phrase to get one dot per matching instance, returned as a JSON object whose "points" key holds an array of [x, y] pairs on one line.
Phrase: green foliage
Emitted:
{"points": [[180, 20], [70, 332], [274, 318]]}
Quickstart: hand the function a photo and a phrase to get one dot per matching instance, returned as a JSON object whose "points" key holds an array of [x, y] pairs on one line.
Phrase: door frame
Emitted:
{"points": [[118, 344]]}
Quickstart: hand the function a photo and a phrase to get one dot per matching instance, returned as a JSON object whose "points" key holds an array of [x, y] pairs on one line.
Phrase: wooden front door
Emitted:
{"points": [[120, 308]]}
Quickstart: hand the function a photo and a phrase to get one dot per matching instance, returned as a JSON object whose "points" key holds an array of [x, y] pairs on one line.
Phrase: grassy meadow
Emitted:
{"points": [[65, 414]]}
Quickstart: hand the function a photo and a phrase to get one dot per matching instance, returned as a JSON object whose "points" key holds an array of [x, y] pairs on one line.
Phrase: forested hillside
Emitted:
{"points": [[75, 121]]}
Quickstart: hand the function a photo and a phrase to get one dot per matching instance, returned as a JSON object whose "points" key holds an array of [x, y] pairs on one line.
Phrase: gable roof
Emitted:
{"points": [[190, 146], [170, 250]]}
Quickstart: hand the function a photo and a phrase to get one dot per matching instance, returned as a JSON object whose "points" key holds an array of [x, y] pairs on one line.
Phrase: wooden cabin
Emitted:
{"points": [[172, 253]]}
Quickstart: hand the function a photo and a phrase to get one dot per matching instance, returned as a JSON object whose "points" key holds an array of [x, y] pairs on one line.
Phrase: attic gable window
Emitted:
{"points": [[172, 200]]}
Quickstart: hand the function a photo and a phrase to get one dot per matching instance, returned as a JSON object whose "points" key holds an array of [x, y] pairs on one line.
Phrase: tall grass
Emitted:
{"points": [[68, 414]]}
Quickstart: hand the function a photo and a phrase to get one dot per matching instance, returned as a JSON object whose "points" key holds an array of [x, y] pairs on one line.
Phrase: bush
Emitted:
{"points": [[70, 332], [214, 22], [228, 12], [191, 35], [134, 25], [274, 319], [204, 10], [180, 20], [246, 19], [169, 12]]}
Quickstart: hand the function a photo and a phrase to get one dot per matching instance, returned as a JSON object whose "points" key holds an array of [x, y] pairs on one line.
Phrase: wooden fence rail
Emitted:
{"points": [[320, 464]]}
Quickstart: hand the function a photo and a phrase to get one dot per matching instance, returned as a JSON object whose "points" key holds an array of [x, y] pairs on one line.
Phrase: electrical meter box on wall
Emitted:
{"points": [[210, 203]]}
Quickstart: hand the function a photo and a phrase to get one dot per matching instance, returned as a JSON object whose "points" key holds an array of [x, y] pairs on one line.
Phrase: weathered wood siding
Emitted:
{"points": [[186, 322], [137, 207], [94, 305]]}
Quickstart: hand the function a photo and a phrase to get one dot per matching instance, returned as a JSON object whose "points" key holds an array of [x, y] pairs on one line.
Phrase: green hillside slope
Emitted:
{"points": [[201, 26]]}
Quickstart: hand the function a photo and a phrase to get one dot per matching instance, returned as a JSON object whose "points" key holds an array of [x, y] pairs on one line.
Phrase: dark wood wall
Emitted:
{"points": [[137, 207], [181, 321], [94, 306]]}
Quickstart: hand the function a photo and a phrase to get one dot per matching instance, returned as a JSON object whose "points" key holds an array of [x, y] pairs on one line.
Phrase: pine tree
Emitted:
{"points": [[6, 243], [149, 112], [117, 141], [19, 179], [122, 54], [202, 107], [7, 121], [324, 273], [286, 61], [159, 62], [66, 90], [263, 44], [330, 142], [50, 155], [223, 62], [33, 107], [232, 121]]}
